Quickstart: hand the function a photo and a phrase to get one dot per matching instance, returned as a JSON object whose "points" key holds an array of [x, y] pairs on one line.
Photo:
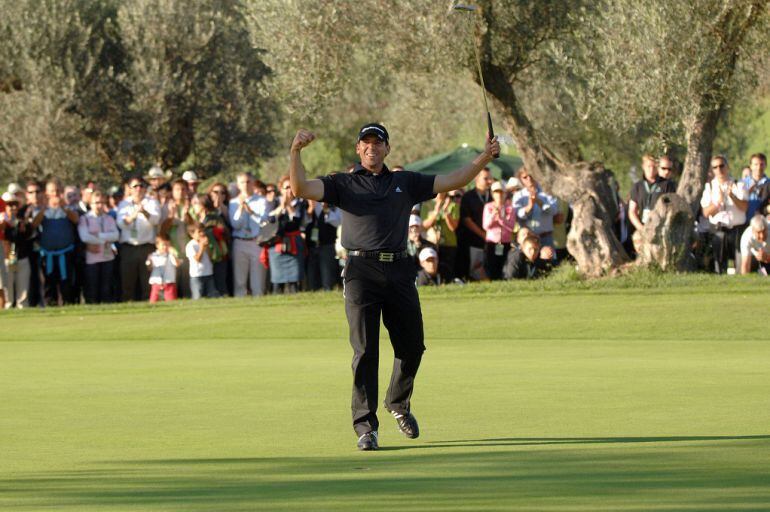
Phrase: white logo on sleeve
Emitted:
{"points": [[398, 189]]}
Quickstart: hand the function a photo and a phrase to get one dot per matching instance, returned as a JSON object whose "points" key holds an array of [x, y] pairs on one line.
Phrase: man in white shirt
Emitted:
{"points": [[138, 217], [724, 202], [247, 212], [754, 252]]}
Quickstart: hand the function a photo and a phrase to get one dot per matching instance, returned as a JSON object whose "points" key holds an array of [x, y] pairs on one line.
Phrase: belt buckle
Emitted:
{"points": [[386, 257]]}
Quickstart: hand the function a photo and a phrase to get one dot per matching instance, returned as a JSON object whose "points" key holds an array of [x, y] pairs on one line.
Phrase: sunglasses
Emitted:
{"points": [[138, 185], [218, 191], [666, 168], [720, 166]]}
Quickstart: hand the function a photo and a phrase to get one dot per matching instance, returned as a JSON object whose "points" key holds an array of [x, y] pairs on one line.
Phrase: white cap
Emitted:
{"points": [[14, 188], [497, 187], [190, 176], [155, 172], [513, 183], [428, 252], [415, 220], [8, 197]]}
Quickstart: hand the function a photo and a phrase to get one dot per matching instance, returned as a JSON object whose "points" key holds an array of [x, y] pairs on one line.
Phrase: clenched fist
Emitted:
{"points": [[302, 139], [492, 147]]}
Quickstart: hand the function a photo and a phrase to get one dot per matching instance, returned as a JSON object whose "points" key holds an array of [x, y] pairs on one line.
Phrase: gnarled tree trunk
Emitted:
{"points": [[667, 237], [591, 240], [701, 132]]}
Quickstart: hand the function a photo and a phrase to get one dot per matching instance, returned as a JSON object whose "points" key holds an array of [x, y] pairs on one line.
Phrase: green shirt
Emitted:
{"points": [[448, 237]]}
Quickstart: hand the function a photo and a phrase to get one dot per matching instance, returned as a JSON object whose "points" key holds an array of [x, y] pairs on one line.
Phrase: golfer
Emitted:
{"points": [[379, 278]]}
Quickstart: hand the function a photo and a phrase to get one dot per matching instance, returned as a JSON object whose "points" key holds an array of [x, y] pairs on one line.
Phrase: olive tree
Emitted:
{"points": [[196, 82], [559, 72], [45, 51]]}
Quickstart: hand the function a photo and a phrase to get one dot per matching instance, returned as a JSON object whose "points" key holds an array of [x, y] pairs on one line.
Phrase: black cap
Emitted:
{"points": [[375, 129]]}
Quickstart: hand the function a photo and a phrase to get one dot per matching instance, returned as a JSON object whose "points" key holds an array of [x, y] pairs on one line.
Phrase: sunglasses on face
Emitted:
{"points": [[218, 191], [138, 185], [665, 168], [719, 166]]}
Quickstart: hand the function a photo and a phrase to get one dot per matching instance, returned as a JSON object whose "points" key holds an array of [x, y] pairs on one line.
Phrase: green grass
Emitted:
{"points": [[641, 393]]}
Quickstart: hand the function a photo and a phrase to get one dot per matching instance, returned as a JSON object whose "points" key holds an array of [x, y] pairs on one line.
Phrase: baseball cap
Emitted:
{"points": [[428, 252], [14, 188], [513, 183], [375, 129], [9, 198], [415, 220], [497, 187], [190, 176]]}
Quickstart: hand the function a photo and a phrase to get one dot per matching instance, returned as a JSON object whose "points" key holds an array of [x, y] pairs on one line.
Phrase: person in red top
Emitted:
{"points": [[499, 221]]}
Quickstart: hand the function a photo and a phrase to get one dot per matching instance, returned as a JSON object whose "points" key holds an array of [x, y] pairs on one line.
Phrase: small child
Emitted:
{"points": [[162, 265], [201, 269]]}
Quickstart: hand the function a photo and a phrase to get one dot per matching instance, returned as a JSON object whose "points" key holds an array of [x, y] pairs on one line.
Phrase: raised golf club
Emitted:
{"points": [[471, 9]]}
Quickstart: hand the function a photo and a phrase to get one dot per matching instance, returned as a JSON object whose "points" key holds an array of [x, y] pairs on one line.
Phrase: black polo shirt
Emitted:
{"points": [[645, 195], [376, 207]]}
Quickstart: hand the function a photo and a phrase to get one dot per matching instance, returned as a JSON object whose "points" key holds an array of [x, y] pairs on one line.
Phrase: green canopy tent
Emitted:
{"points": [[444, 163]]}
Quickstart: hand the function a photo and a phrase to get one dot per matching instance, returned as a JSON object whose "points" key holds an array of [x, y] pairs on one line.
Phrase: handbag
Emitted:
{"points": [[268, 234]]}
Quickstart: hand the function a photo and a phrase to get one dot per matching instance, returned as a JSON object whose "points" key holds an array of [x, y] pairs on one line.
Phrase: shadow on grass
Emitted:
{"points": [[617, 473]]}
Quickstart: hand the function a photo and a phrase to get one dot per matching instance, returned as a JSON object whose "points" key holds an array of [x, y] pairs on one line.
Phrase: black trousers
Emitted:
{"points": [[134, 274], [98, 282], [493, 264], [374, 288], [726, 244]]}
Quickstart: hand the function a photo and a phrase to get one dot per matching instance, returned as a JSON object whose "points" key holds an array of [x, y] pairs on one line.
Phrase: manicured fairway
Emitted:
{"points": [[529, 398]]}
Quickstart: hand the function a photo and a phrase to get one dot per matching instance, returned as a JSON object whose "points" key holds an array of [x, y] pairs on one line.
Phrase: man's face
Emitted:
{"points": [[720, 169], [179, 192], [527, 181], [483, 180], [430, 266], [531, 251], [52, 191], [245, 185], [758, 167], [665, 167], [33, 194], [155, 183], [138, 190], [650, 169], [414, 233], [372, 152], [72, 195]]}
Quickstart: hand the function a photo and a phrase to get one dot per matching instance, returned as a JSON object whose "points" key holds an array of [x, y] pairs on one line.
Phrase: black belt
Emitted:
{"points": [[386, 257], [244, 238]]}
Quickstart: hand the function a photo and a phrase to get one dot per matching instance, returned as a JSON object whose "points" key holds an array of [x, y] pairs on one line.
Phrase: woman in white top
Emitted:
{"points": [[98, 231]]}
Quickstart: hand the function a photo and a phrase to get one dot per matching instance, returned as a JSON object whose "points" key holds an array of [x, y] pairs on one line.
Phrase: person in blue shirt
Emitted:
{"points": [[534, 208], [247, 213], [756, 184], [57, 224]]}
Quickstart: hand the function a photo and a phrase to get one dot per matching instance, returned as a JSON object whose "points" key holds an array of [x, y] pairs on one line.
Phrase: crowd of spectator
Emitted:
{"points": [[158, 238]]}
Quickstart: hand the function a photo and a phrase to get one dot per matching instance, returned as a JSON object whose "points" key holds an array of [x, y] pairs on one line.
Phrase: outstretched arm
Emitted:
{"points": [[463, 176], [307, 189]]}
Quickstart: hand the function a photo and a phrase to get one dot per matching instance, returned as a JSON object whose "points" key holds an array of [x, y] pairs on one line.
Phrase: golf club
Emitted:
{"points": [[472, 9]]}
